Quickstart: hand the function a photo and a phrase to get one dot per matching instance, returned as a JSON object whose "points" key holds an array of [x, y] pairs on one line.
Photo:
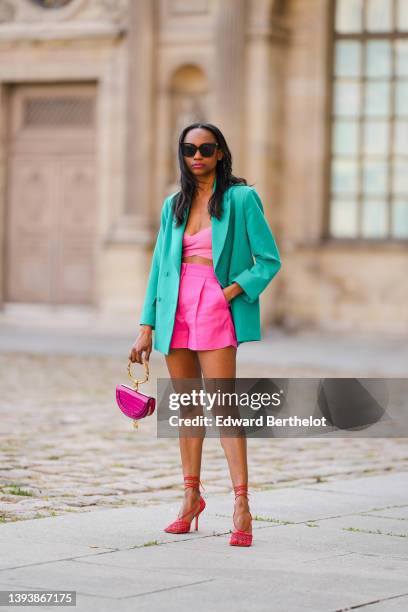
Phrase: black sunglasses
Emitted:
{"points": [[207, 149]]}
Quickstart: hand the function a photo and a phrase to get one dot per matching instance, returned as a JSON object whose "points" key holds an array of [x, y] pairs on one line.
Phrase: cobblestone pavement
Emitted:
{"points": [[65, 446]]}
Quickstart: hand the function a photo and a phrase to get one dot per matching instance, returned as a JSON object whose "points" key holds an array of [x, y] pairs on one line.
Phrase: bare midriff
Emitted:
{"points": [[197, 259]]}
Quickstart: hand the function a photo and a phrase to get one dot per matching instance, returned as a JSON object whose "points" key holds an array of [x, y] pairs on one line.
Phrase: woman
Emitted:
{"points": [[202, 297]]}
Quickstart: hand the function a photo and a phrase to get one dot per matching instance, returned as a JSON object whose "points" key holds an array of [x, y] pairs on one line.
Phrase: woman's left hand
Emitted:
{"points": [[228, 293], [232, 291]]}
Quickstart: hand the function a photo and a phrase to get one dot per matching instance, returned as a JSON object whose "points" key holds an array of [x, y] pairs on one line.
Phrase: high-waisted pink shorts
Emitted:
{"points": [[203, 319]]}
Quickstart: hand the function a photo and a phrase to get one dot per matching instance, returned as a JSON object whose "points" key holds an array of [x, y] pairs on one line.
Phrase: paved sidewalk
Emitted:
{"points": [[323, 547]]}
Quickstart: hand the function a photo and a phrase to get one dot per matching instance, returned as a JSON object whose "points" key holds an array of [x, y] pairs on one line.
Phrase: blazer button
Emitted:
{"points": [[159, 299], [167, 273]]}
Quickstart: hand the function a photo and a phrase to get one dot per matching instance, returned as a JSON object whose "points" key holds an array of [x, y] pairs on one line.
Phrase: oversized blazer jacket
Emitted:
{"points": [[240, 235]]}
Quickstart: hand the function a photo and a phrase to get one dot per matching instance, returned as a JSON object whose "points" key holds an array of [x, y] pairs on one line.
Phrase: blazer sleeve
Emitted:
{"points": [[148, 314], [255, 279]]}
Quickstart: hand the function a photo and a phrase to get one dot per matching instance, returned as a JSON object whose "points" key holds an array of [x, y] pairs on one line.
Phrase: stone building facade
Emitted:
{"points": [[309, 94]]}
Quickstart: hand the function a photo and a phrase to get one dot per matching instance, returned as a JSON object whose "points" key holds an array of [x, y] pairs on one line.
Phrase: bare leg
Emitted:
{"points": [[221, 363], [183, 363]]}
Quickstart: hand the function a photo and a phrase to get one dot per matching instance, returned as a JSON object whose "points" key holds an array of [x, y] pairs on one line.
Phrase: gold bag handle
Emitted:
{"points": [[137, 382]]}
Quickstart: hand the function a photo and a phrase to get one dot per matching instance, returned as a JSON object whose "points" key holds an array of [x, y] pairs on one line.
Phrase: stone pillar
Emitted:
{"points": [[231, 75], [264, 99], [127, 257], [266, 39], [137, 220]]}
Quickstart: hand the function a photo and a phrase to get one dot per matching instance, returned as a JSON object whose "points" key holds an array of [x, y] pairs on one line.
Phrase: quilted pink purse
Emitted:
{"points": [[131, 401]]}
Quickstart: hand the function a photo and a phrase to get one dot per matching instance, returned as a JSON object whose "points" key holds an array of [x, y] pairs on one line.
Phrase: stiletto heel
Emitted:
{"points": [[180, 525], [239, 537]]}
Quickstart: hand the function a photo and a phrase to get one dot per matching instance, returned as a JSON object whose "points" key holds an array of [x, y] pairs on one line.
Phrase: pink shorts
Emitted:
{"points": [[203, 319]]}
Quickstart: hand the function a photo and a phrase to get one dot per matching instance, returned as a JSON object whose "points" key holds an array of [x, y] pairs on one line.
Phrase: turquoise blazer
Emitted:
{"points": [[241, 234]]}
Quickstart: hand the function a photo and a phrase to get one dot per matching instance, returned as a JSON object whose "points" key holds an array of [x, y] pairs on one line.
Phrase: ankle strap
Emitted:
{"points": [[241, 490], [192, 482]]}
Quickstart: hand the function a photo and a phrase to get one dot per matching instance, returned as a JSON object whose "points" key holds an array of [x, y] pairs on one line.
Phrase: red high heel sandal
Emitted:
{"points": [[239, 537], [180, 525]]}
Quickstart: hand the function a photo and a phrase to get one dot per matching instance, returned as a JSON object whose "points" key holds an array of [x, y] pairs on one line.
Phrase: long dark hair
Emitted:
{"points": [[183, 198]]}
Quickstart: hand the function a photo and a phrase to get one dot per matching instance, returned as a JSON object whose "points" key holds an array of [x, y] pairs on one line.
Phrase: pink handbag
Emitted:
{"points": [[131, 401]]}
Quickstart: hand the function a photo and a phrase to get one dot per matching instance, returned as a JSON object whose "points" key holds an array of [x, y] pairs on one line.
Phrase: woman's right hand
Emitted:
{"points": [[142, 344]]}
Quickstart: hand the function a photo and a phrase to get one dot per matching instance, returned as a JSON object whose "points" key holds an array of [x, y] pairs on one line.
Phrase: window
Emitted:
{"points": [[369, 120]]}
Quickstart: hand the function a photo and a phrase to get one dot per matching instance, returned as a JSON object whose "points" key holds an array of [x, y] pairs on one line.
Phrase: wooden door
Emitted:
{"points": [[51, 203]]}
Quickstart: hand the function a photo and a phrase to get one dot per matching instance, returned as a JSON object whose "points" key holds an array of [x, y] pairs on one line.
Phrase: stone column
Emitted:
{"points": [[136, 222], [231, 74], [127, 257], [266, 40], [264, 98]]}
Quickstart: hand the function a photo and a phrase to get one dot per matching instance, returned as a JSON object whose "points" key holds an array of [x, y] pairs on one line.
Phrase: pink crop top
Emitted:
{"points": [[199, 243]]}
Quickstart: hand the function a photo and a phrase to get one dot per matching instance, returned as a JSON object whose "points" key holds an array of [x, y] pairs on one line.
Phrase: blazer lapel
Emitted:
{"points": [[219, 229]]}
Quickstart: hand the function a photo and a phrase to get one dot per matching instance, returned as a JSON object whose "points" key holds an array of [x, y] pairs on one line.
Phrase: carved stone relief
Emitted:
{"points": [[32, 11], [63, 10]]}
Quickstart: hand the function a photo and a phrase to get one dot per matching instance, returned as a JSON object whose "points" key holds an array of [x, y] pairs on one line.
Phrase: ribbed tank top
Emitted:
{"points": [[199, 243]]}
